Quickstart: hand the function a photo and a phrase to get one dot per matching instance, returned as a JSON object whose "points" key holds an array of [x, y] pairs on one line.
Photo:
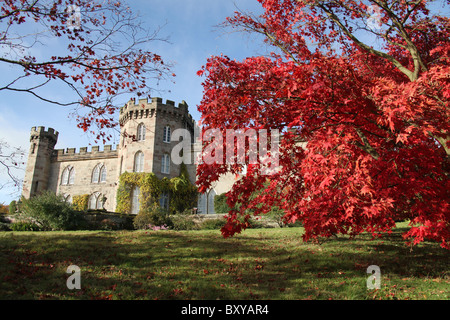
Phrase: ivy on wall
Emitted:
{"points": [[80, 203], [182, 193]]}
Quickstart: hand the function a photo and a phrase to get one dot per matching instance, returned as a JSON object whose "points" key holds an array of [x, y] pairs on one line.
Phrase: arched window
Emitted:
{"points": [[139, 162], [95, 174], [99, 174], [103, 174], [166, 136], [68, 176], [206, 202], [96, 201], [141, 132], [135, 200], [165, 164]]}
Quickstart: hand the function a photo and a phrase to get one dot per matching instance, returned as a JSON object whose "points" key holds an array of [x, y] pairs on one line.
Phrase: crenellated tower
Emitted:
{"points": [[37, 174], [146, 127]]}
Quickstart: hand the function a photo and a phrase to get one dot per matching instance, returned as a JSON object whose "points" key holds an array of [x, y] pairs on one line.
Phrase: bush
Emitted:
{"points": [[24, 226], [212, 224], [12, 207], [109, 225], [154, 216], [183, 222], [52, 212], [5, 226], [3, 209], [220, 203]]}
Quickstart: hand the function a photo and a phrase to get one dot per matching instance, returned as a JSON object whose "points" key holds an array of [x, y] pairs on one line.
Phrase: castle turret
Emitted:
{"points": [[37, 174], [147, 126]]}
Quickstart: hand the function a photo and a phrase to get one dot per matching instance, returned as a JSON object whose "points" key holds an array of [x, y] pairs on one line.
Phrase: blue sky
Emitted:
{"points": [[190, 28]]}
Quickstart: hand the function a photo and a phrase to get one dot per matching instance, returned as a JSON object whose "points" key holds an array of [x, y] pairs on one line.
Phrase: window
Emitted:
{"points": [[99, 174], [141, 132], [96, 201], [103, 174], [95, 174], [166, 136], [164, 200], [206, 202], [165, 164], [135, 200], [68, 176], [139, 162]]}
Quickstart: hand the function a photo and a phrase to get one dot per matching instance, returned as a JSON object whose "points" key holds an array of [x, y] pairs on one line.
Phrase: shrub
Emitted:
{"points": [[212, 224], [220, 203], [109, 225], [12, 207], [5, 226], [277, 215], [3, 209], [183, 222], [24, 226], [154, 216], [52, 212], [255, 224]]}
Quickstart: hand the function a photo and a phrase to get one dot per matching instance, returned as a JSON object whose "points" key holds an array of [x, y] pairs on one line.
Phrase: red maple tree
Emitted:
{"points": [[368, 94], [95, 49]]}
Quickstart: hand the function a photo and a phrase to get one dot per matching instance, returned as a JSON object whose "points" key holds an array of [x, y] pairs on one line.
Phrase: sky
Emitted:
{"points": [[191, 29]]}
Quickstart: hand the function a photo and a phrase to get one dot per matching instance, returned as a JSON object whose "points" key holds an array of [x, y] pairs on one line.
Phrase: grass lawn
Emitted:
{"points": [[257, 264]]}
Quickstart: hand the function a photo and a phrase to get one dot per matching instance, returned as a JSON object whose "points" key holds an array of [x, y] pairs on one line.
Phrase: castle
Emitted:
{"points": [[145, 146]]}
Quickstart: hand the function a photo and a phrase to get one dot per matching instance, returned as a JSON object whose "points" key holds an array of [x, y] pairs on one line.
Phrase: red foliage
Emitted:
{"points": [[376, 121], [102, 58]]}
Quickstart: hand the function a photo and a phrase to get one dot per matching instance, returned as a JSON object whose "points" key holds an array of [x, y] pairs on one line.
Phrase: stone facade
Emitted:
{"points": [[145, 146]]}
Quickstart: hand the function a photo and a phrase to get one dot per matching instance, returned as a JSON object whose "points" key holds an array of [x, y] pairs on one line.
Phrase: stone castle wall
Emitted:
{"points": [[46, 164], [37, 172], [84, 163]]}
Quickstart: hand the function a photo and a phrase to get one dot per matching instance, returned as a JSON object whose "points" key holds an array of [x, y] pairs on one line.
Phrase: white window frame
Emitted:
{"points": [[167, 134], [165, 164], [141, 130], [103, 174], [95, 174], [99, 174], [95, 201], [138, 162], [68, 176]]}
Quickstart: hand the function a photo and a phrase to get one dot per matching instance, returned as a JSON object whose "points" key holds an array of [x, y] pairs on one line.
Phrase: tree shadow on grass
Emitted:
{"points": [[199, 265]]}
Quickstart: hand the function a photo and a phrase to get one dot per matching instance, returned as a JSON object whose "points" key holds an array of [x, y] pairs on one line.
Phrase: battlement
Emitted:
{"points": [[40, 132], [145, 108], [84, 154]]}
